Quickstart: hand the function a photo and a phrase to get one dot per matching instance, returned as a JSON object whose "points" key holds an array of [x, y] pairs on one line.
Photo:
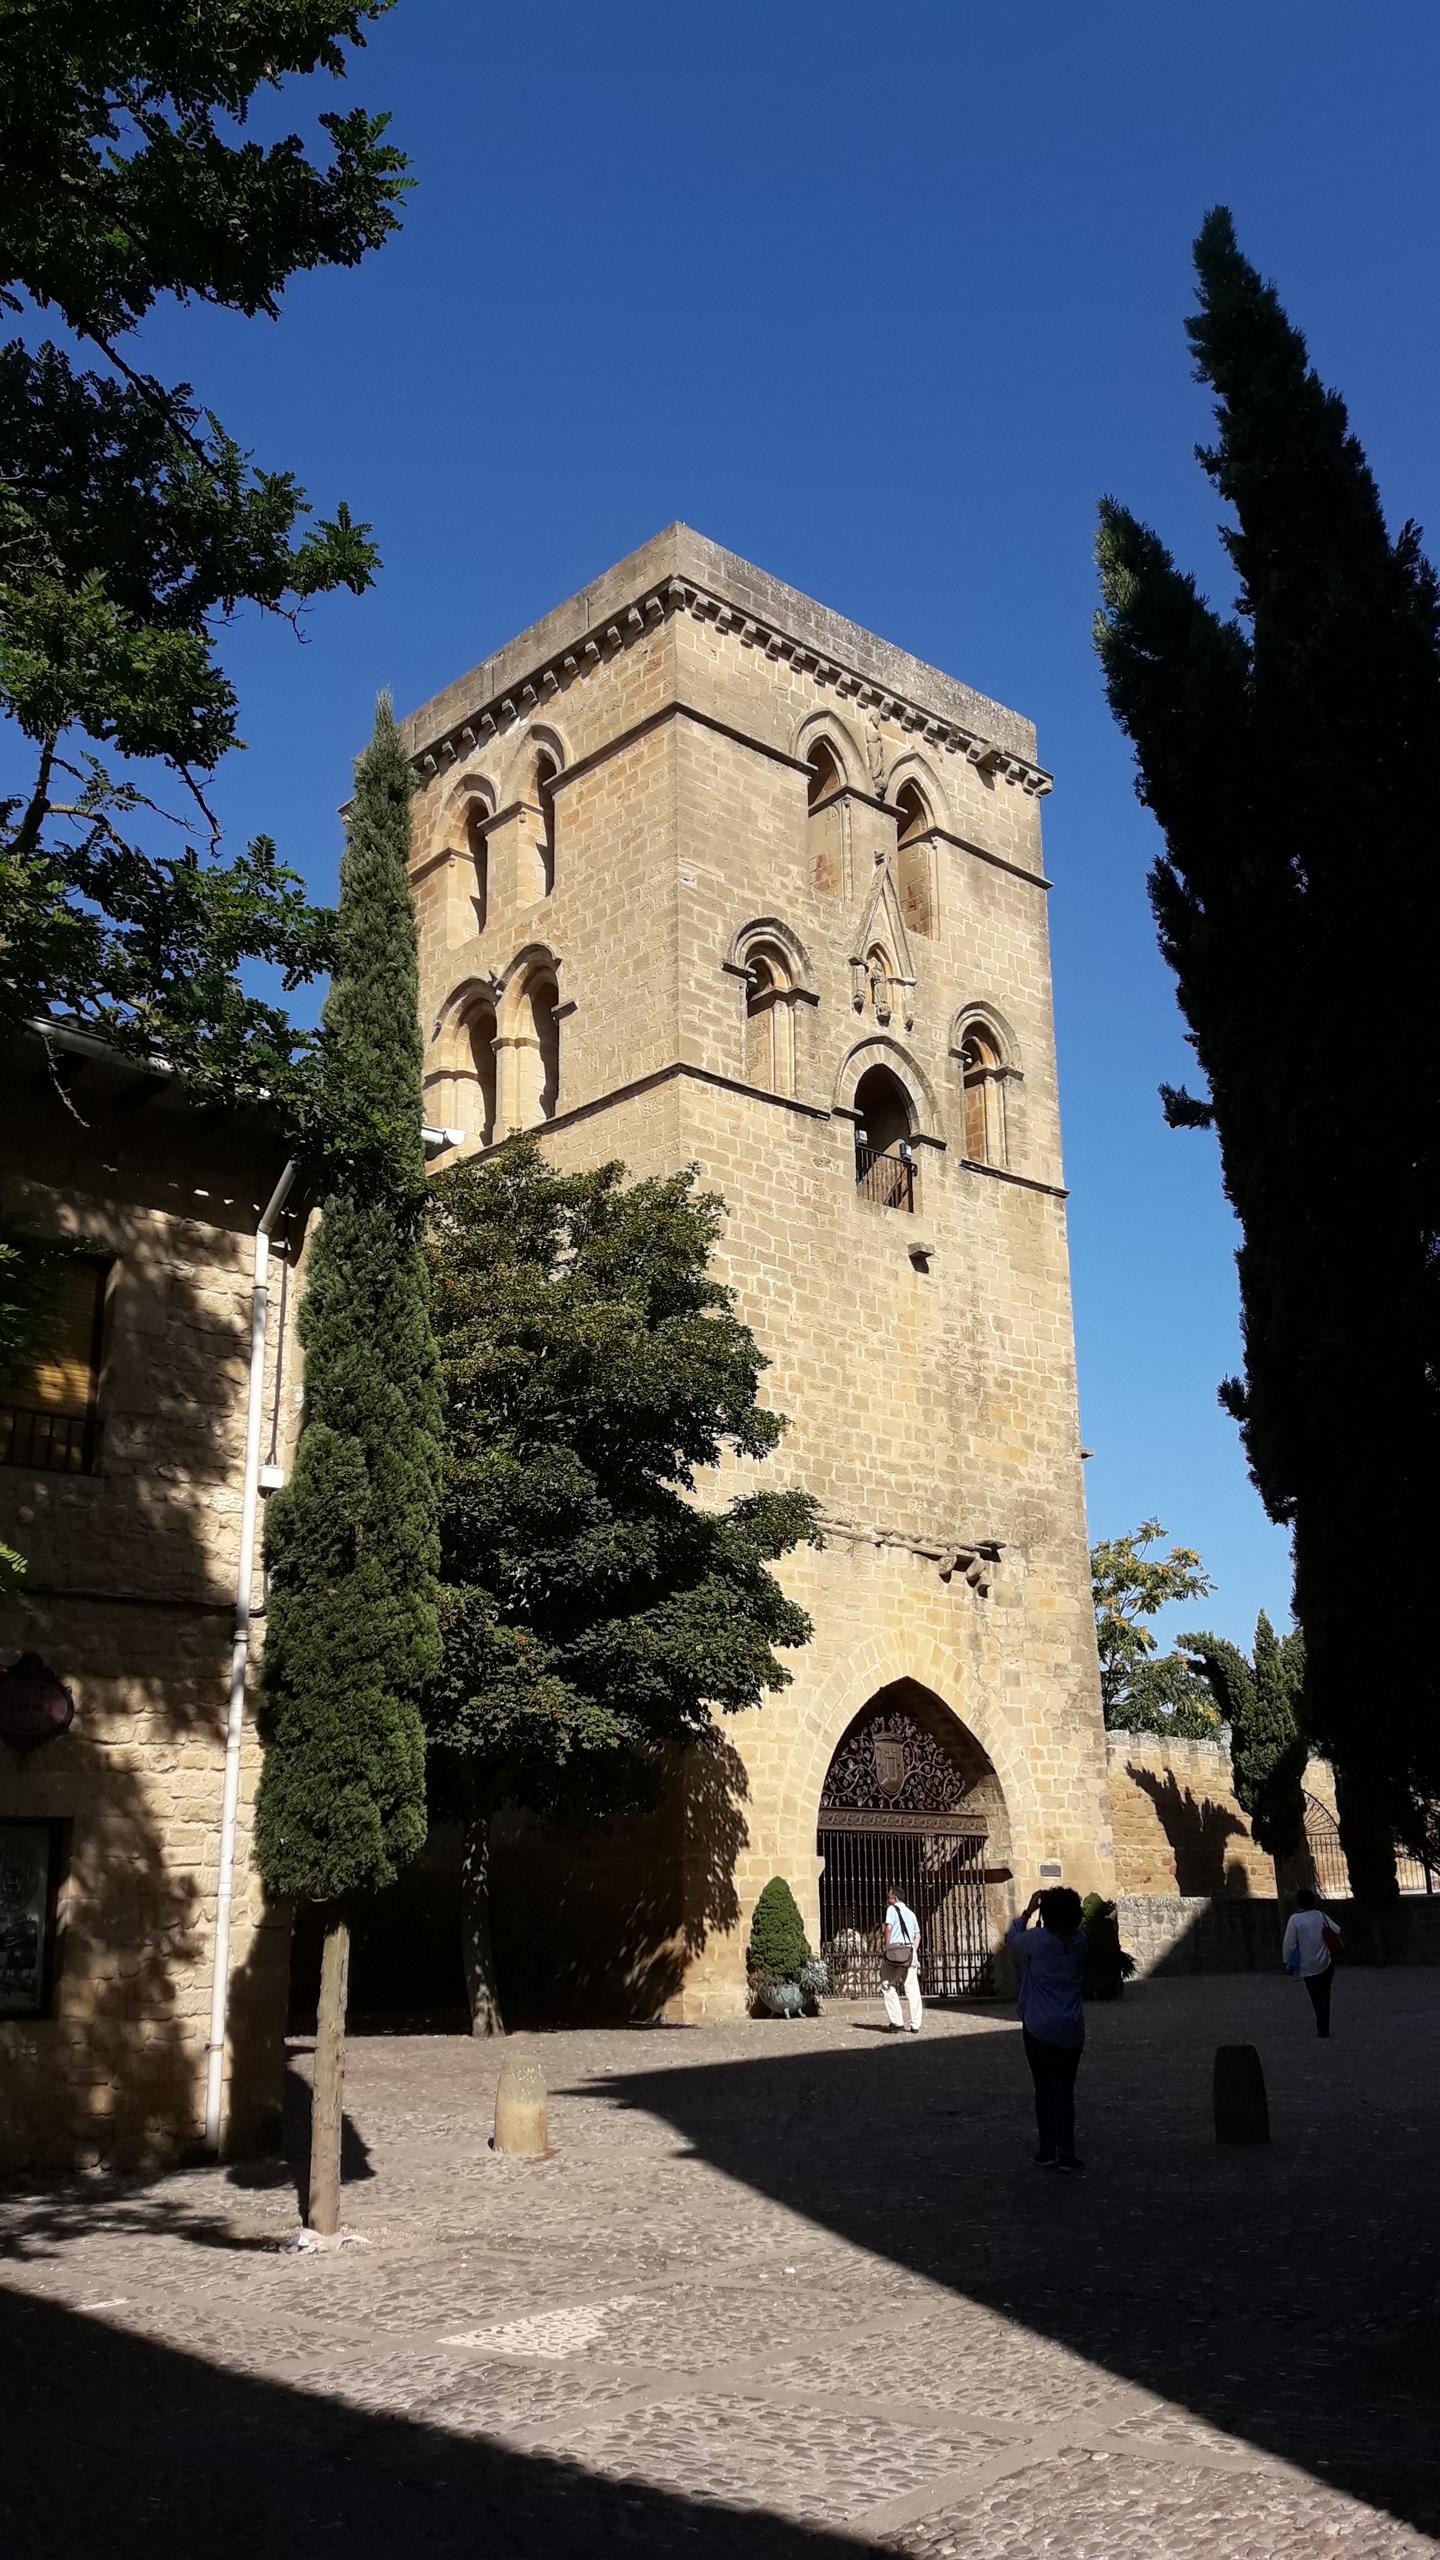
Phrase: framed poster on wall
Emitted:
{"points": [[29, 1877]]}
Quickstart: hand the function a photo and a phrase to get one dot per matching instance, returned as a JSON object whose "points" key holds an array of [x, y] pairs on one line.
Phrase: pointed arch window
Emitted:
{"points": [[884, 1159], [915, 858], [769, 1020], [983, 1078], [546, 775], [825, 819]]}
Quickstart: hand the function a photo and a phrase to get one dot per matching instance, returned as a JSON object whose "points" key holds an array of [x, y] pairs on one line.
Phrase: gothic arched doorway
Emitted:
{"points": [[909, 1796]]}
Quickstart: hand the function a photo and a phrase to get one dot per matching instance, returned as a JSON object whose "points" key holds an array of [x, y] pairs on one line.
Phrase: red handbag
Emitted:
{"points": [[1332, 1940]]}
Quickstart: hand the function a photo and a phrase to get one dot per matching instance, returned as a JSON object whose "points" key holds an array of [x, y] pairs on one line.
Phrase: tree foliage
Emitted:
{"points": [[779, 1948], [1287, 753], [132, 527], [1141, 1689], [1263, 1702], [351, 1542], [592, 1607]]}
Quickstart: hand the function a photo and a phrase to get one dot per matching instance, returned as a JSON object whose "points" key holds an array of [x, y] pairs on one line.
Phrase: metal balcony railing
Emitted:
{"points": [[885, 1176], [56, 1443]]}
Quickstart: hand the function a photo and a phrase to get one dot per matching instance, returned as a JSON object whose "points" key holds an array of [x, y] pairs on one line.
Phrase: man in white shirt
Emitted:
{"points": [[902, 1962], [1307, 1951]]}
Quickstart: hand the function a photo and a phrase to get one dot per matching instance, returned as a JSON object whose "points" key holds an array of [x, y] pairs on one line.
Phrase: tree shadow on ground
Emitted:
{"points": [[252, 2467], [1284, 2295], [1196, 1827]]}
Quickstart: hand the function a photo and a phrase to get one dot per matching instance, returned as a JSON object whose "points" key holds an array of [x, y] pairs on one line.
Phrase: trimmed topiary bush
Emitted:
{"points": [[1107, 1967], [779, 1949]]}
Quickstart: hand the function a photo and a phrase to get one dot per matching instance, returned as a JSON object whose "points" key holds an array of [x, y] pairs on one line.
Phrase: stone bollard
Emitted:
{"points": [[1242, 2112], [520, 2123]]}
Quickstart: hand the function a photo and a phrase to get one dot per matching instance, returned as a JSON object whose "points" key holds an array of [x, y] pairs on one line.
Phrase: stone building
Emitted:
{"points": [[707, 874], [122, 1476]]}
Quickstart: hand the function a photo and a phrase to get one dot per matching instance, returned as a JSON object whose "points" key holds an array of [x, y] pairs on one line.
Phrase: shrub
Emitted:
{"points": [[779, 1948], [1107, 1967]]}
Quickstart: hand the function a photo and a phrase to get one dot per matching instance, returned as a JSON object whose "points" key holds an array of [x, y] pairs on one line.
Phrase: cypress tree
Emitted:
{"points": [[1287, 753], [1262, 1701], [351, 1542]]}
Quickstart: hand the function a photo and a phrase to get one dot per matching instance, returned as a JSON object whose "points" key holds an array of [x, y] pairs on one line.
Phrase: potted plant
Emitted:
{"points": [[1107, 1967], [787, 1978]]}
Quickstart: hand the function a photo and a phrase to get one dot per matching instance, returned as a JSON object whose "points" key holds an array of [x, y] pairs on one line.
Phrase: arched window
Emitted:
{"points": [[915, 859], [460, 1090], [982, 1075], [537, 1049], [477, 819], [769, 1021], [884, 1163], [546, 771], [824, 786]]}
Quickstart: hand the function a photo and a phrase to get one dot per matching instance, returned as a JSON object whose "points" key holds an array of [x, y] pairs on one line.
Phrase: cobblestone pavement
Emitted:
{"points": [[791, 2290]]}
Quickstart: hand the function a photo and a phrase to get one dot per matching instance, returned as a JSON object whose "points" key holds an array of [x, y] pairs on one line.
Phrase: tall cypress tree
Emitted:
{"points": [[1262, 1701], [352, 1542], [1288, 754]]}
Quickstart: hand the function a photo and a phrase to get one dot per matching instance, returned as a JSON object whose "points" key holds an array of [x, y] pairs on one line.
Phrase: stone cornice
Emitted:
{"points": [[785, 626]]}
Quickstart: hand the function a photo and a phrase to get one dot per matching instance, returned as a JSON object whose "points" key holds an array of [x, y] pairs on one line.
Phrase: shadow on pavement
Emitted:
{"points": [[1285, 2294], [233, 2468]]}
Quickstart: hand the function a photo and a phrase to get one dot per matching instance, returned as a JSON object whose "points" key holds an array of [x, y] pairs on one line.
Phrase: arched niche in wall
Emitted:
{"points": [[461, 1073], [528, 1041], [771, 963], [983, 1049]]}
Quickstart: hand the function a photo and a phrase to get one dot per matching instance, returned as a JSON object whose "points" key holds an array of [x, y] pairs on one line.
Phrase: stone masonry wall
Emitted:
{"points": [[926, 1361], [129, 1596]]}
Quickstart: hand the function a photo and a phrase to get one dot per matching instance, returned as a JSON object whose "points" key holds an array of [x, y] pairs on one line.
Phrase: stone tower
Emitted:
{"points": [[707, 874]]}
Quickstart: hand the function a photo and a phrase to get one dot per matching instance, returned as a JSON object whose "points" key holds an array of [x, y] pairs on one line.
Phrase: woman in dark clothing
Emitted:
{"points": [[1051, 1955]]}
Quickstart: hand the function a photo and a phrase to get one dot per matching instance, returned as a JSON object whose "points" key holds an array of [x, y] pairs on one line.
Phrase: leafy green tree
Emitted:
{"points": [[132, 527], [1141, 1689], [596, 1607], [779, 1948], [1263, 1702], [352, 1541], [1287, 753]]}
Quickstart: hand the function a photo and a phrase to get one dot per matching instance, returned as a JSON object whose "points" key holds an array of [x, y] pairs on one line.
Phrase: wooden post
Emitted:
{"points": [[327, 2096]]}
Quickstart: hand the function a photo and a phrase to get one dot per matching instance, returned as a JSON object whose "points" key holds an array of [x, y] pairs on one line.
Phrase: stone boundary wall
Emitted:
{"points": [[1178, 1829], [1172, 1934]]}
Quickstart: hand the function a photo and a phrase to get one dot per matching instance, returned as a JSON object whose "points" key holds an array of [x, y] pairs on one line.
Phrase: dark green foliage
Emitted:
{"points": [[1141, 1689], [1263, 1702], [779, 1948], [592, 1610], [351, 1542], [1288, 755], [132, 527], [1106, 1968]]}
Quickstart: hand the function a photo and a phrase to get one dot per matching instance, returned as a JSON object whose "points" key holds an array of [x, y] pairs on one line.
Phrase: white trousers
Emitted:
{"points": [[890, 1992]]}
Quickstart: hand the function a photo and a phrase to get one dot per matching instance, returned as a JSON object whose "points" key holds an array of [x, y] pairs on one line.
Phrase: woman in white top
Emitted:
{"points": [[1309, 1934]]}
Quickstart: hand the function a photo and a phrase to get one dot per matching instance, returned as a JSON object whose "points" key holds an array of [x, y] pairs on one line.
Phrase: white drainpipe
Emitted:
{"points": [[239, 1666]]}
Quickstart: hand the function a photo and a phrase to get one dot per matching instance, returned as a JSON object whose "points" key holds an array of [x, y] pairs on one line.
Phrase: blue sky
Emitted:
{"points": [[883, 298]]}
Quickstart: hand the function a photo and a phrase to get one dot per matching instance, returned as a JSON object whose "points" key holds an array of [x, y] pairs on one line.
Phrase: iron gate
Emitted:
{"points": [[938, 1862]]}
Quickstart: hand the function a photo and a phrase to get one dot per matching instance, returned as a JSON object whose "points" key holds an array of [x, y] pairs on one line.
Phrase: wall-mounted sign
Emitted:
{"points": [[29, 1873]]}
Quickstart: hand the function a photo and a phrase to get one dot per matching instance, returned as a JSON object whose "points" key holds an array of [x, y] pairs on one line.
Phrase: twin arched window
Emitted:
{"points": [[498, 1062]]}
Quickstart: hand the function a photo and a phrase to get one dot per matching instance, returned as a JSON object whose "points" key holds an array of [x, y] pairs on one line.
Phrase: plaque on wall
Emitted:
{"points": [[27, 1916]]}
